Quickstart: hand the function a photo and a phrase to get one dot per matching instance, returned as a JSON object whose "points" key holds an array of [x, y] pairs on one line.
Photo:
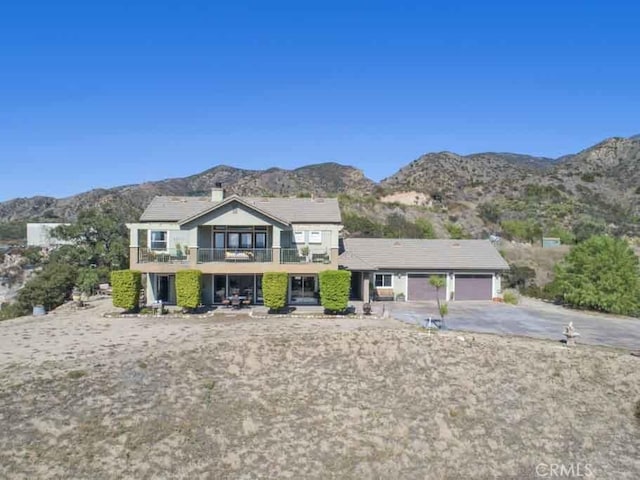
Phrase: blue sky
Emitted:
{"points": [[98, 94]]}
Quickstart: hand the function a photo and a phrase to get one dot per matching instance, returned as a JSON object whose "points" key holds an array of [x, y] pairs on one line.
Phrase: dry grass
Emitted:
{"points": [[301, 399]]}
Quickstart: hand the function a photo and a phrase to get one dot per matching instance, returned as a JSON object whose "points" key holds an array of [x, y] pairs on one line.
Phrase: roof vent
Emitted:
{"points": [[455, 245], [396, 244]]}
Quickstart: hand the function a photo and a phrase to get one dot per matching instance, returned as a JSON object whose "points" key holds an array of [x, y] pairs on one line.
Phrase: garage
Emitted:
{"points": [[419, 288], [474, 287]]}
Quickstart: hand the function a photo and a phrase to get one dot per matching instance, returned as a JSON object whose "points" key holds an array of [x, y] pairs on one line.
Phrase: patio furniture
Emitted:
{"points": [[238, 256], [235, 302], [247, 301], [381, 294], [104, 289]]}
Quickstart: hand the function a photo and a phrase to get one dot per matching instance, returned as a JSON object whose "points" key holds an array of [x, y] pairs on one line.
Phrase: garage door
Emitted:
{"points": [[418, 288], [473, 287]]}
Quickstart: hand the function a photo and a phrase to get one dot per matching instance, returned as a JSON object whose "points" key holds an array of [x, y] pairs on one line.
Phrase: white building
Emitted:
{"points": [[39, 235]]}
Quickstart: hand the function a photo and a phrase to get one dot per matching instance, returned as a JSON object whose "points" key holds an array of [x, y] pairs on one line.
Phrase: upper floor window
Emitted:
{"points": [[315, 236], [159, 239]]}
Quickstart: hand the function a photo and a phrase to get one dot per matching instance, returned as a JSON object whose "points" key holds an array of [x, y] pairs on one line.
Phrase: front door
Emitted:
{"points": [[163, 288], [303, 290]]}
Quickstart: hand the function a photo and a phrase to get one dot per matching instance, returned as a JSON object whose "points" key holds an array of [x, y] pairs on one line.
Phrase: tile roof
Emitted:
{"points": [[293, 210], [414, 254]]}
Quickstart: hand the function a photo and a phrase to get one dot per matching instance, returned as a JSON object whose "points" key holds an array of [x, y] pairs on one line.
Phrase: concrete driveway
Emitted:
{"points": [[531, 318]]}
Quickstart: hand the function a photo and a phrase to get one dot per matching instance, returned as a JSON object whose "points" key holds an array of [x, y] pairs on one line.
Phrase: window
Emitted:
{"points": [[261, 240], [158, 240], [246, 240], [298, 237], [218, 240], [384, 280], [233, 240], [315, 237]]}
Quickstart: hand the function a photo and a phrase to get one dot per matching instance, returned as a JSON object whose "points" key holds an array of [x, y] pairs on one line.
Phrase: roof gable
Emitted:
{"points": [[228, 201]]}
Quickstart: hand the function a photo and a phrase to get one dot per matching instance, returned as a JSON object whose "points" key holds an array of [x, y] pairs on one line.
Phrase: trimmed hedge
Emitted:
{"points": [[334, 289], [274, 289], [188, 288], [125, 288]]}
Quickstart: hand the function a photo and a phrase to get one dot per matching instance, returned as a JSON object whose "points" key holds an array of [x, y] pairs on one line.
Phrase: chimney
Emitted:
{"points": [[217, 193]]}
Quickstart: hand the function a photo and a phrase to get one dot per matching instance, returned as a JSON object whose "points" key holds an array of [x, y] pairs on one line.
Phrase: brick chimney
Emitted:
{"points": [[217, 193]]}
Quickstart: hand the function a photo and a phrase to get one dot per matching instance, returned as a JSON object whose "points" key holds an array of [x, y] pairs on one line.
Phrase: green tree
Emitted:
{"points": [[587, 228], [49, 288], [98, 238], [601, 273], [438, 282]]}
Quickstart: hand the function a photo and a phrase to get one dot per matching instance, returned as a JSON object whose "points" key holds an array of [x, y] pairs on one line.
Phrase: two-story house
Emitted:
{"points": [[234, 241]]}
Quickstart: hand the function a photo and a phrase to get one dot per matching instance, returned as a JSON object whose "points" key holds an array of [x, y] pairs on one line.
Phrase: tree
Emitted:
{"points": [[98, 238], [438, 282], [601, 273], [586, 228], [49, 288]]}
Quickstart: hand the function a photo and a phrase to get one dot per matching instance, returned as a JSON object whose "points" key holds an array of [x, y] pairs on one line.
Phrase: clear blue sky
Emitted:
{"points": [[98, 94]]}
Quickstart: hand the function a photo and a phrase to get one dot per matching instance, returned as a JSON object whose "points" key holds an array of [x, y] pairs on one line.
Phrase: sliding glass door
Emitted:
{"points": [[303, 290]]}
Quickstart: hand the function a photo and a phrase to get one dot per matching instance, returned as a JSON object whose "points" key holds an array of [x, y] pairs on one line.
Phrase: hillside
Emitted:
{"points": [[129, 200], [457, 195]]}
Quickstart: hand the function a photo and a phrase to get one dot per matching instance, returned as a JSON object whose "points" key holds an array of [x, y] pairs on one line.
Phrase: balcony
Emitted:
{"points": [[146, 255], [241, 255], [294, 255]]}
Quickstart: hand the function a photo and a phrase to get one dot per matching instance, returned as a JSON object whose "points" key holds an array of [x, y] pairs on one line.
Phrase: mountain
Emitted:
{"points": [[600, 183], [130, 200], [478, 192]]}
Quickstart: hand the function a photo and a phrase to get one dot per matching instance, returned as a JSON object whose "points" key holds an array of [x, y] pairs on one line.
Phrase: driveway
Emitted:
{"points": [[531, 318]]}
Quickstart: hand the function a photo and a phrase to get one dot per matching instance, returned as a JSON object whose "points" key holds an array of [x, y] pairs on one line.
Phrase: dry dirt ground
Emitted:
{"points": [[83, 396]]}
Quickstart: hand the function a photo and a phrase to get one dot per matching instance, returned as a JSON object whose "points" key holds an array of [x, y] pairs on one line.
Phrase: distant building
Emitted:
{"points": [[39, 235], [550, 242]]}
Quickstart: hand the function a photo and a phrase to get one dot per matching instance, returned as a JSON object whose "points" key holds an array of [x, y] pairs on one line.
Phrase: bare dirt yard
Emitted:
{"points": [[82, 396]]}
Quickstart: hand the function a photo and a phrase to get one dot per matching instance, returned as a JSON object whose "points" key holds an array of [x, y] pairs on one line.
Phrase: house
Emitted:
{"points": [[39, 235], [234, 240], [384, 268]]}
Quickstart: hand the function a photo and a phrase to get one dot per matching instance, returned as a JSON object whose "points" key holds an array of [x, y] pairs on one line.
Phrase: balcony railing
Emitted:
{"points": [[208, 255], [294, 255], [146, 255]]}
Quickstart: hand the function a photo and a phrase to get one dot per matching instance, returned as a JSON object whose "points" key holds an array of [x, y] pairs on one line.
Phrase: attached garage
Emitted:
{"points": [[419, 288], [473, 287]]}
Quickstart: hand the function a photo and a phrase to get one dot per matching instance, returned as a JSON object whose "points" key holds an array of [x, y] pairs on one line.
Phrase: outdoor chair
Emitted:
{"points": [[235, 302]]}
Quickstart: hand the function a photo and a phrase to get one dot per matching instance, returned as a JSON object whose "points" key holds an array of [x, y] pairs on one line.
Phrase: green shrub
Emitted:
{"points": [[456, 231], [334, 289], [274, 289], [588, 177], [601, 273], [188, 288], [125, 285], [526, 230], [510, 297]]}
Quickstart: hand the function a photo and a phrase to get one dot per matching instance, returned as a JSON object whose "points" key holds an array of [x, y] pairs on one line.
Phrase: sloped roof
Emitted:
{"points": [[415, 254], [233, 198], [292, 210]]}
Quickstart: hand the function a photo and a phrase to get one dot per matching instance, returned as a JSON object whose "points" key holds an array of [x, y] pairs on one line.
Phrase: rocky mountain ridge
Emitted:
{"points": [[478, 191]]}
